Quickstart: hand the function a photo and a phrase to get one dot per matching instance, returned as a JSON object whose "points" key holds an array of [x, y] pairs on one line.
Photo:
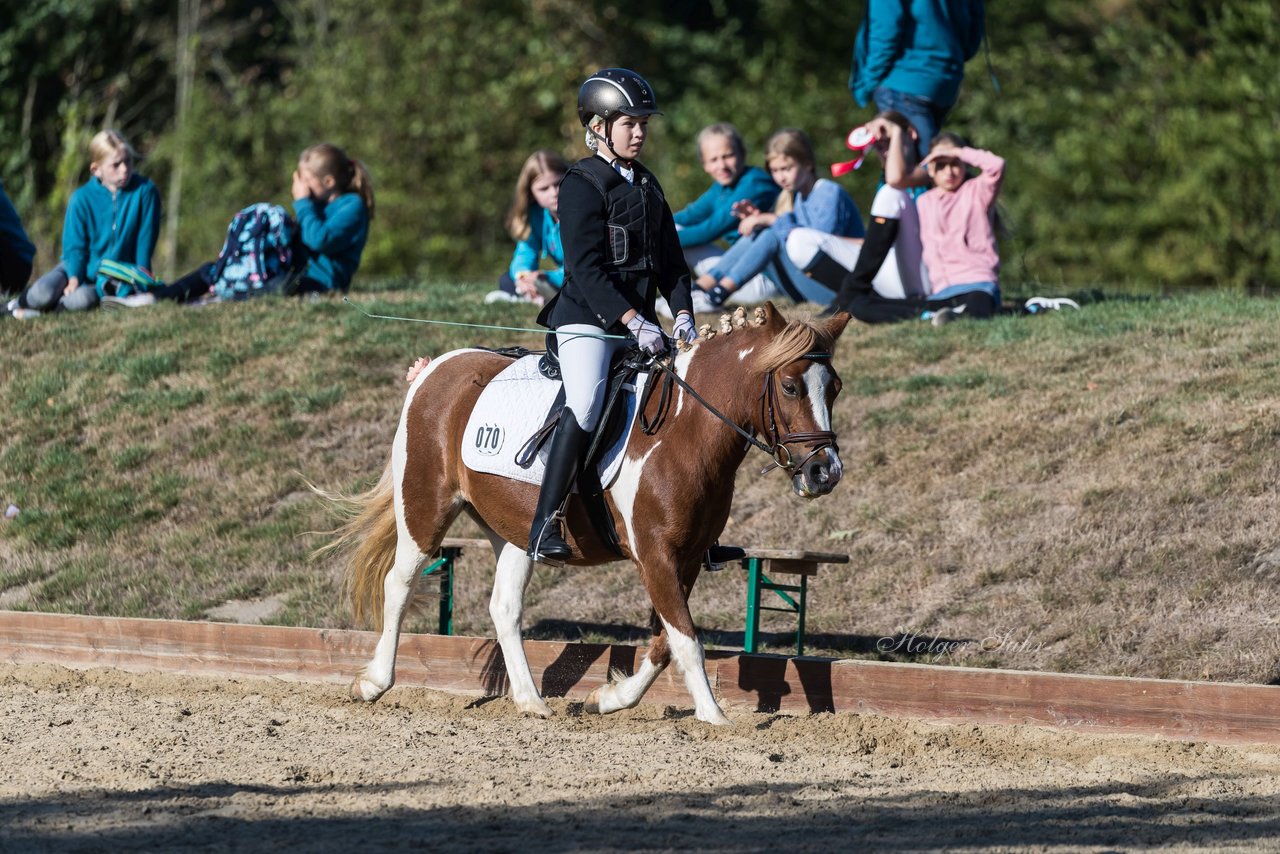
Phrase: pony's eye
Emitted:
{"points": [[789, 388]]}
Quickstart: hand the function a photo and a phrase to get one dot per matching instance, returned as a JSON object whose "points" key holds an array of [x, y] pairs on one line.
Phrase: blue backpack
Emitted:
{"points": [[260, 254]]}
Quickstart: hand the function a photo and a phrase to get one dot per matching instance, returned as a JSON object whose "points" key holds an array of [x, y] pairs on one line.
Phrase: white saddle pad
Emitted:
{"points": [[512, 408]]}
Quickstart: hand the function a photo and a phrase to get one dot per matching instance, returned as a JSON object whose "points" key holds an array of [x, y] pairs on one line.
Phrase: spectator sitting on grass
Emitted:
{"points": [[16, 249], [805, 201], [333, 202], [534, 223], [710, 219], [958, 240], [115, 215]]}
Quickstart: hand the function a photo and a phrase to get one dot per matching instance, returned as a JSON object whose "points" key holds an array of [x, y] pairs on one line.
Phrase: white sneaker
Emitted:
{"points": [[502, 296], [1035, 305], [11, 306], [132, 301], [943, 316], [25, 313], [702, 303]]}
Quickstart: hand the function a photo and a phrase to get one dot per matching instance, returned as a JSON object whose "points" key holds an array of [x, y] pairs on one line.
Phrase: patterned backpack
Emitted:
{"points": [[259, 255]]}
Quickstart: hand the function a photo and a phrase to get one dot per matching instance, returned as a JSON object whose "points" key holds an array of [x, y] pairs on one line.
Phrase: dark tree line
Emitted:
{"points": [[1141, 136]]}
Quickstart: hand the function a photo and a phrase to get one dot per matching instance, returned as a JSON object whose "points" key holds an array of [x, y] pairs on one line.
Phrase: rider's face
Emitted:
{"points": [[628, 135]]}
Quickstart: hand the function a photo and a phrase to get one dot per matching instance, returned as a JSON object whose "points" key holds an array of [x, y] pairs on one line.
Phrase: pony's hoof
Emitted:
{"points": [[591, 705], [717, 719], [537, 709], [365, 691]]}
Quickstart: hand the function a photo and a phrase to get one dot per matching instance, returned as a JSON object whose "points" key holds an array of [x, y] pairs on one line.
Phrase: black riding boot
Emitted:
{"points": [[546, 537], [850, 290]]}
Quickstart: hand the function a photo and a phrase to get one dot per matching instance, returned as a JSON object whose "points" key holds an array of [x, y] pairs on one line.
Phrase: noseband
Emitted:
{"points": [[814, 441]]}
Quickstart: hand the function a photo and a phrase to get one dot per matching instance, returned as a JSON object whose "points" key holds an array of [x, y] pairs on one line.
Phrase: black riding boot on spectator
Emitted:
{"points": [[546, 535], [850, 291]]}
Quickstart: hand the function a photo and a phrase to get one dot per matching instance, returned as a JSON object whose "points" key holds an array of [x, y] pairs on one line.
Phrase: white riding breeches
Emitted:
{"points": [[584, 367]]}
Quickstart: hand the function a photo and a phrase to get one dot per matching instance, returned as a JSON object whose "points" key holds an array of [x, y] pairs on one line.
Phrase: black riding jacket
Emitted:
{"points": [[620, 249]]}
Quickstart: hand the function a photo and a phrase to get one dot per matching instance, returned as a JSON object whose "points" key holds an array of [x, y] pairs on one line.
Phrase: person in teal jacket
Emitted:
{"points": [[114, 215], [709, 219], [332, 203], [533, 221], [16, 249], [909, 56]]}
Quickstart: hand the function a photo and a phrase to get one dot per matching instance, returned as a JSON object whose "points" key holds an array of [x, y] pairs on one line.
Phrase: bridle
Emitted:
{"points": [[815, 441]]}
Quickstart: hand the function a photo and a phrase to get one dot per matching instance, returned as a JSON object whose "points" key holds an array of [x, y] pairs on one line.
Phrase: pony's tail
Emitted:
{"points": [[367, 540]]}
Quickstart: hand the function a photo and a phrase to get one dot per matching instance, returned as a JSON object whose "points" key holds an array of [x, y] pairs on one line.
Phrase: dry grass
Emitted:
{"points": [[1092, 492]]}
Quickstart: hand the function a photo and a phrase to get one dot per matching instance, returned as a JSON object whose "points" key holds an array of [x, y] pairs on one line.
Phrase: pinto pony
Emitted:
{"points": [[669, 502]]}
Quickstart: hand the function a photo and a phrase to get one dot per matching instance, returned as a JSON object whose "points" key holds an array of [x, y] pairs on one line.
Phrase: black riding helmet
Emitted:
{"points": [[613, 92]]}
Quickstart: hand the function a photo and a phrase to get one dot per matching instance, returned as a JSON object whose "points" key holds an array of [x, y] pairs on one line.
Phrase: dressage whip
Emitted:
{"points": [[654, 362], [539, 331]]}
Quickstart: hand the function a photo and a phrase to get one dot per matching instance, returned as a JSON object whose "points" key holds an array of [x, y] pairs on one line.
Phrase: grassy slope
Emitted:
{"points": [[1090, 492]]}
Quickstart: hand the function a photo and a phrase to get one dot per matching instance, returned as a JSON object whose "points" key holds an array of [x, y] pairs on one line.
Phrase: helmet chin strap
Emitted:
{"points": [[608, 141]]}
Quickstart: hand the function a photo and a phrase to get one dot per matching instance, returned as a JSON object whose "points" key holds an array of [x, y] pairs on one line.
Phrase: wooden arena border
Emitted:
{"points": [[1224, 713]]}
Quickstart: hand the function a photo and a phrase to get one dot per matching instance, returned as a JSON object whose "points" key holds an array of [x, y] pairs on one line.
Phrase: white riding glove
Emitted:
{"points": [[684, 328], [650, 336]]}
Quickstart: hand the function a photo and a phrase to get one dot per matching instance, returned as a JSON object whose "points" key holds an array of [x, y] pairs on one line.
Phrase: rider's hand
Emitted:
{"points": [[649, 334], [684, 328]]}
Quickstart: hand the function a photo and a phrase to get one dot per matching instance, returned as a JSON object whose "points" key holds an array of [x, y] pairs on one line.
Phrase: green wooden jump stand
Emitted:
{"points": [[758, 563]]}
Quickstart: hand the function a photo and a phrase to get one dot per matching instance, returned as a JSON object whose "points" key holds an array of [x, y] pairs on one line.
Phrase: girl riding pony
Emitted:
{"points": [[620, 251]]}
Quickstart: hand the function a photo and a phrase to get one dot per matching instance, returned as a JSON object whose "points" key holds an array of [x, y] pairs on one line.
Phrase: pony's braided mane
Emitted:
{"points": [[796, 339]]}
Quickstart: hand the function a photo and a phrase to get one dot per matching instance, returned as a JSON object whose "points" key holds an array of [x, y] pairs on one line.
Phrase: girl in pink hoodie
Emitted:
{"points": [[957, 234], [958, 227]]}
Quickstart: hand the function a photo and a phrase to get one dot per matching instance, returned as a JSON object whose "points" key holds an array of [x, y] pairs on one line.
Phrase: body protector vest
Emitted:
{"points": [[635, 214]]}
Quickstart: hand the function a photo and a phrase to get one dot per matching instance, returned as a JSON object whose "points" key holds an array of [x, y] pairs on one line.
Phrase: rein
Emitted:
{"points": [[818, 440]]}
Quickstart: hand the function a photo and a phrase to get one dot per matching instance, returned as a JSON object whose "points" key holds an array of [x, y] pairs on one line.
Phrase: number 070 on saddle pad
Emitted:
{"points": [[514, 406]]}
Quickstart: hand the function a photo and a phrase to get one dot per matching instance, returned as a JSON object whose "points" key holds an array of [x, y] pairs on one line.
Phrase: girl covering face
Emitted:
{"points": [[945, 168]]}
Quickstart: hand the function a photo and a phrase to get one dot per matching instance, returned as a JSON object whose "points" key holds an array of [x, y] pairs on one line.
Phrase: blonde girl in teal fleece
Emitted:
{"points": [[114, 215]]}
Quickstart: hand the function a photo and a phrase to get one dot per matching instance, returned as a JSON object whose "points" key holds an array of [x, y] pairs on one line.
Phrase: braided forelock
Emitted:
{"points": [[791, 344]]}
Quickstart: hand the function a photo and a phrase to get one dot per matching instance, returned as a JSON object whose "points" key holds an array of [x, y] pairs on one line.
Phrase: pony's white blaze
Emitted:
{"points": [[624, 490], [816, 379]]}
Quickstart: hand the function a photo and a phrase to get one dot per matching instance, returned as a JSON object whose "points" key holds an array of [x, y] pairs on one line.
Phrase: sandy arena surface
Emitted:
{"points": [[104, 760]]}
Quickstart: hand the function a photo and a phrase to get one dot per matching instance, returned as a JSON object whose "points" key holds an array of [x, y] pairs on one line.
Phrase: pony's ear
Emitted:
{"points": [[773, 318], [836, 324]]}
